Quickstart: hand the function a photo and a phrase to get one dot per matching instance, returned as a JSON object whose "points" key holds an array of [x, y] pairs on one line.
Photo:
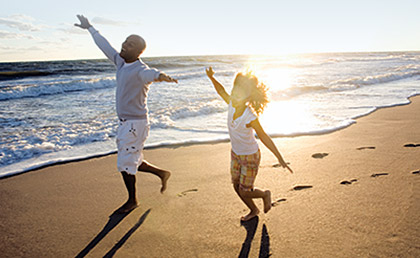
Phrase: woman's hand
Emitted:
{"points": [[284, 165], [210, 72]]}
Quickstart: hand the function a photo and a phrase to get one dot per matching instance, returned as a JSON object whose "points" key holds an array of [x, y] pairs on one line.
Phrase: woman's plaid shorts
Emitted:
{"points": [[244, 169]]}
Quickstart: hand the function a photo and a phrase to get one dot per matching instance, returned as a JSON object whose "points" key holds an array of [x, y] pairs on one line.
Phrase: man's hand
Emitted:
{"points": [[210, 72], [84, 22], [166, 78]]}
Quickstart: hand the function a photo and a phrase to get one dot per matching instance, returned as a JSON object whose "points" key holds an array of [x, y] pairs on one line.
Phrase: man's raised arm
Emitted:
{"points": [[100, 41]]}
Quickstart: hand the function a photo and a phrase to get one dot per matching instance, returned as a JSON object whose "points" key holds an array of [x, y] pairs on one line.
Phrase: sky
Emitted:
{"points": [[44, 30]]}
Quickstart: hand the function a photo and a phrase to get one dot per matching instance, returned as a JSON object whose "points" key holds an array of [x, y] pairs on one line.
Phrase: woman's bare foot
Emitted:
{"points": [[165, 176], [267, 201], [250, 215], [127, 207]]}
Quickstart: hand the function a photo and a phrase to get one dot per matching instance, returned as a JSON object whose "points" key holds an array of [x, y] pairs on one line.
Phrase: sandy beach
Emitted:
{"points": [[362, 199]]}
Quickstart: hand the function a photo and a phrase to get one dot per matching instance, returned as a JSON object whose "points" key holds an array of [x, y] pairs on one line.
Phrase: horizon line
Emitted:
{"points": [[198, 55]]}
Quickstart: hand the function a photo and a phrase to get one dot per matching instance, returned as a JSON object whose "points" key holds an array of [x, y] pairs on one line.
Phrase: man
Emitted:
{"points": [[133, 80]]}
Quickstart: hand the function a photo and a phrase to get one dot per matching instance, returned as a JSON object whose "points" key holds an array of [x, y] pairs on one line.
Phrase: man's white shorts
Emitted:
{"points": [[131, 136]]}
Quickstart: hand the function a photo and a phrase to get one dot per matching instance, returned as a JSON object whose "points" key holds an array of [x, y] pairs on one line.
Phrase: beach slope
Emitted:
{"points": [[355, 192]]}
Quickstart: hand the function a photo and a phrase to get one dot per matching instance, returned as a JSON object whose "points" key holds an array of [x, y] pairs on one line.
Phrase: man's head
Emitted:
{"points": [[132, 47]]}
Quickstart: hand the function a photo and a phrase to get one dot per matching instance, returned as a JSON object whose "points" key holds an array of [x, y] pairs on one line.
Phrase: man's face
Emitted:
{"points": [[131, 48]]}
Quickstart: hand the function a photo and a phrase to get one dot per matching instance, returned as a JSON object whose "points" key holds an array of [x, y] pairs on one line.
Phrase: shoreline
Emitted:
{"points": [[192, 143], [65, 210]]}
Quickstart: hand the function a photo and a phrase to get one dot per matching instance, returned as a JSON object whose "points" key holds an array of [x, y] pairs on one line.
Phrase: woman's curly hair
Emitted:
{"points": [[258, 98]]}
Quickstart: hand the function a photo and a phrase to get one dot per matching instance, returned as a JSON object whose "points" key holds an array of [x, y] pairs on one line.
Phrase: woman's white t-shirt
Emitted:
{"points": [[241, 137]]}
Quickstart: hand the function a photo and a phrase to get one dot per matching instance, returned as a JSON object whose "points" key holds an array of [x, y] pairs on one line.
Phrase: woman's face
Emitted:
{"points": [[239, 96]]}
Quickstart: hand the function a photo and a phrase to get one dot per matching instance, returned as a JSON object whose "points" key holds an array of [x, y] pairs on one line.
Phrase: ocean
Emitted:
{"points": [[58, 111]]}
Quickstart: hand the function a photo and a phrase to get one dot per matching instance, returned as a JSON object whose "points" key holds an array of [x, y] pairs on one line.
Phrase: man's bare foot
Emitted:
{"points": [[250, 215], [127, 207], [162, 174], [165, 176], [267, 201]]}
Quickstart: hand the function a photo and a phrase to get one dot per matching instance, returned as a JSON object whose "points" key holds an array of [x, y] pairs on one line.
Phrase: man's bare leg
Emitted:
{"points": [[162, 174], [130, 184]]}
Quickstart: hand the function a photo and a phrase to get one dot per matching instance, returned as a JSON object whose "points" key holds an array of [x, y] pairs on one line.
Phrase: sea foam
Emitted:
{"points": [[66, 111]]}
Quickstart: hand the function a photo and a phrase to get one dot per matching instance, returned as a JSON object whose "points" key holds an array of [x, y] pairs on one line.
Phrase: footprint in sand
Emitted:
{"points": [[277, 202], [366, 148], [319, 155], [346, 182], [301, 187], [416, 172], [379, 174], [278, 165], [412, 145], [187, 191]]}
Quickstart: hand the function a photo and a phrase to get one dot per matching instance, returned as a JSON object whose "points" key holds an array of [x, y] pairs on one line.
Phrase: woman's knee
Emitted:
{"points": [[243, 193], [236, 186]]}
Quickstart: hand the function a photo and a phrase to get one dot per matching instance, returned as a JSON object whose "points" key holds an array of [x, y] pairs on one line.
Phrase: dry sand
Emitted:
{"points": [[64, 210]]}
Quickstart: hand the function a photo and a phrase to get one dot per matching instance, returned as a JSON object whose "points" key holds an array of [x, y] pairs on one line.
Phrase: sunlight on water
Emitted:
{"points": [[277, 78], [287, 117], [282, 114], [70, 112]]}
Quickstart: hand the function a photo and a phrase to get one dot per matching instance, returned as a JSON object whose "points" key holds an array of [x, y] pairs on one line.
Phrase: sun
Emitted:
{"points": [[273, 71], [284, 114]]}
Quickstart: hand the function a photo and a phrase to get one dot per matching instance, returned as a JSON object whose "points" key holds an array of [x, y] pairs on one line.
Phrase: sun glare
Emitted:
{"points": [[273, 72], [282, 114], [286, 116], [277, 79]]}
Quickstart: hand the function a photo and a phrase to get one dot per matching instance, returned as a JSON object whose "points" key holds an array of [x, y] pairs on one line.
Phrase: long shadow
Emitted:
{"points": [[120, 243], [114, 220], [251, 227], [265, 243]]}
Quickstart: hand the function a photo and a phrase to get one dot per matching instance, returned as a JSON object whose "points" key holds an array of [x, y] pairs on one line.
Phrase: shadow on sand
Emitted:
{"points": [[114, 220], [251, 227], [127, 235]]}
